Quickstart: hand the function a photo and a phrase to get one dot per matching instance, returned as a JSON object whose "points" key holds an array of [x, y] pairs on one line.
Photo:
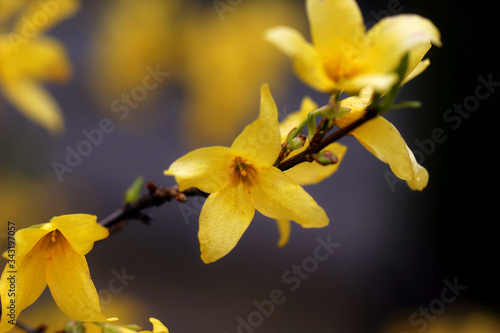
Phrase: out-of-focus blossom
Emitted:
{"points": [[226, 62], [132, 39], [217, 63], [29, 58], [343, 56]]}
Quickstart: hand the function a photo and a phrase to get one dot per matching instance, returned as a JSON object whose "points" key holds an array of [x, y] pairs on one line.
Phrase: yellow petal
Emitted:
{"points": [[378, 82], [277, 196], [43, 58], [391, 38], [306, 61], [421, 66], [158, 327], [336, 29], [81, 230], [384, 141], [35, 103], [284, 229], [70, 283], [416, 54], [29, 281], [27, 238], [205, 168], [223, 219], [260, 142], [9, 8], [313, 173], [421, 178]]}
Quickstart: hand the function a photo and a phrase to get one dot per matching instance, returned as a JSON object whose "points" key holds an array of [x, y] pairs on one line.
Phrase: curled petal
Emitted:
{"points": [[158, 327], [284, 229], [391, 38], [384, 141]]}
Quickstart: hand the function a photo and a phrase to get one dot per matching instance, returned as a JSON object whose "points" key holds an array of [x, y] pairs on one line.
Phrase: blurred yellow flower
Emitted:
{"points": [[52, 254], [225, 63], [131, 39], [305, 173], [28, 58], [343, 56], [214, 65], [242, 179]]}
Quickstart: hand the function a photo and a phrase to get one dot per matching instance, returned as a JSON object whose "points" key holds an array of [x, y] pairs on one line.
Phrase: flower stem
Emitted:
{"points": [[156, 196]]}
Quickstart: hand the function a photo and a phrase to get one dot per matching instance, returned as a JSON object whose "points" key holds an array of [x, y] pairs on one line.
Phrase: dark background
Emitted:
{"points": [[397, 247]]}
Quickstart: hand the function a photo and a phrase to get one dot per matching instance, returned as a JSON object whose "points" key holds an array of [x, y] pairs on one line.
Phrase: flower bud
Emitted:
{"points": [[74, 327], [296, 143], [326, 157]]}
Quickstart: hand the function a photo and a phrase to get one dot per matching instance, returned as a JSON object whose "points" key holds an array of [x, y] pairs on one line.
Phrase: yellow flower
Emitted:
{"points": [[27, 58], [305, 173], [52, 254], [343, 56], [242, 179], [384, 141], [158, 327]]}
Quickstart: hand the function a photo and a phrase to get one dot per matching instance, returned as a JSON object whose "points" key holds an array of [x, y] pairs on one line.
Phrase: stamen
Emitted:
{"points": [[243, 173], [53, 237]]}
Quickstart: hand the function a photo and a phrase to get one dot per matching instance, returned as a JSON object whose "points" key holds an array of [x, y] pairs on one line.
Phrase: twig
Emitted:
{"points": [[306, 155], [156, 196]]}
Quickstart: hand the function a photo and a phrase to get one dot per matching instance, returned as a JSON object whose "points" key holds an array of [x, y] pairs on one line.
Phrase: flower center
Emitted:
{"points": [[54, 243], [241, 170]]}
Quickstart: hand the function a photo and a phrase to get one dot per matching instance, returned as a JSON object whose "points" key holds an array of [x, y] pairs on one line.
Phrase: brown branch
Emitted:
{"points": [[156, 196], [307, 154]]}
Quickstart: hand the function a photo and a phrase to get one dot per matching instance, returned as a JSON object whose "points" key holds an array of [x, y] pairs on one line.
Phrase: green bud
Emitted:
{"points": [[291, 134], [326, 157], [296, 143], [133, 327], [134, 191], [107, 328], [74, 327]]}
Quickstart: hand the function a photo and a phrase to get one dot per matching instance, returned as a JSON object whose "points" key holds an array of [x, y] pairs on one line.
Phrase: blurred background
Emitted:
{"points": [[172, 76]]}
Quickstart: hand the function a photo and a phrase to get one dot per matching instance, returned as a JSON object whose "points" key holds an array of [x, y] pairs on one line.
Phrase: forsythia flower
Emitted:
{"points": [[27, 57], [241, 179], [343, 56], [384, 141], [52, 254], [305, 173]]}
